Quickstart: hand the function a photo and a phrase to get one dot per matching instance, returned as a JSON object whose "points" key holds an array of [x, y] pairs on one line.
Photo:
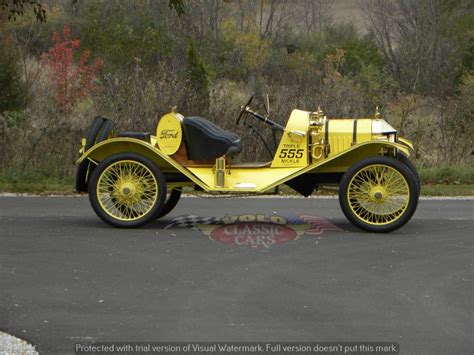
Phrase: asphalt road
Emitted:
{"points": [[66, 277]]}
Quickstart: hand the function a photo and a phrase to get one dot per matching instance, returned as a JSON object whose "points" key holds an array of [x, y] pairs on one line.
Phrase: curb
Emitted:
{"points": [[10, 345]]}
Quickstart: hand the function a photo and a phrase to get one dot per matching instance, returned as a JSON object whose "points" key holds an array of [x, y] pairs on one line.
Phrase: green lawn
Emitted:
{"points": [[41, 186], [447, 190]]}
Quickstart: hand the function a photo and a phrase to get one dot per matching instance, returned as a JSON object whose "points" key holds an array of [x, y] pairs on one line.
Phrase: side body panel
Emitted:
{"points": [[341, 133], [243, 179], [293, 148]]}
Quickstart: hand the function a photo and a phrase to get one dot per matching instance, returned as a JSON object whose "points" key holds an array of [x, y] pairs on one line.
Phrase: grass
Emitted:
{"points": [[447, 190], [438, 181], [447, 175], [39, 186]]}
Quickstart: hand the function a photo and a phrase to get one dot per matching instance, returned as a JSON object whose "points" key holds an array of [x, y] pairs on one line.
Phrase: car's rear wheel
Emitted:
{"points": [[127, 190], [172, 199], [378, 194]]}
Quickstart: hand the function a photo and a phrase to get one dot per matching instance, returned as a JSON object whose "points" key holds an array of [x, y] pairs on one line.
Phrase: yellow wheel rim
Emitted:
{"points": [[127, 190], [378, 194]]}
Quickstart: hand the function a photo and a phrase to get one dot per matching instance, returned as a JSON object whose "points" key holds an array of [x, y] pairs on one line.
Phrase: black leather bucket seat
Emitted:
{"points": [[205, 141]]}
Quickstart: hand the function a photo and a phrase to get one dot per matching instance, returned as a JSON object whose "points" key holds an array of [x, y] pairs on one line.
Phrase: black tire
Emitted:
{"points": [[407, 213], [171, 202], [151, 214], [105, 131], [82, 172], [405, 160], [94, 131], [81, 176], [99, 131]]}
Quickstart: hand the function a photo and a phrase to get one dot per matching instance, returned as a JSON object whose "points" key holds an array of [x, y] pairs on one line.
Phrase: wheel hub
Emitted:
{"points": [[128, 191], [378, 194]]}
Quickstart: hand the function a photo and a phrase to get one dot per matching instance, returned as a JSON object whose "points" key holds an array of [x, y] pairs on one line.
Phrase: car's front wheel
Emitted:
{"points": [[405, 160], [127, 190], [378, 194]]}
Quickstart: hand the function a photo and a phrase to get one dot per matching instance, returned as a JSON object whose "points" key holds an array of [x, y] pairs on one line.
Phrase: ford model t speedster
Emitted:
{"points": [[133, 178]]}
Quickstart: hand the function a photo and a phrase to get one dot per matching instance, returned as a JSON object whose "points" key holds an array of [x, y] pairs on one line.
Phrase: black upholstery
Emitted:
{"points": [[205, 141], [144, 136]]}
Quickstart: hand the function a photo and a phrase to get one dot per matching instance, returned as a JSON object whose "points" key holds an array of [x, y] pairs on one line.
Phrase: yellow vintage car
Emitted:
{"points": [[133, 178]]}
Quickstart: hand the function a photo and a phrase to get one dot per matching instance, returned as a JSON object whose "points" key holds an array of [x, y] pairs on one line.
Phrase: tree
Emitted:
{"points": [[198, 83], [417, 40], [72, 82], [316, 15], [13, 91]]}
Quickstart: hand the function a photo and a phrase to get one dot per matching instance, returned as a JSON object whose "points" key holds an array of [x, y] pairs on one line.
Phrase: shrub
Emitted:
{"points": [[73, 82]]}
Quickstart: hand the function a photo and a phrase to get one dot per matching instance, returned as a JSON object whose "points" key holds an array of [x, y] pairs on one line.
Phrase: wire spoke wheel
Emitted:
{"points": [[128, 190], [378, 194]]}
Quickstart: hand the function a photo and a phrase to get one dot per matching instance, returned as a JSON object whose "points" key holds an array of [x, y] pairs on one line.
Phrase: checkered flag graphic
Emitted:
{"points": [[190, 221], [319, 225]]}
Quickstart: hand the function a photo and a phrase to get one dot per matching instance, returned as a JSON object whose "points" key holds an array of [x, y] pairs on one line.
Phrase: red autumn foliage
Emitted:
{"points": [[72, 82]]}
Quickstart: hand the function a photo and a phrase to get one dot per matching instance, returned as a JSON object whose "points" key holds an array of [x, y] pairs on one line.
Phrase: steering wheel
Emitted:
{"points": [[243, 109]]}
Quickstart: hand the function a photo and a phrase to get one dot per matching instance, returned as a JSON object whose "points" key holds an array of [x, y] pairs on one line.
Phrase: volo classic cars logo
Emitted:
{"points": [[254, 230]]}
